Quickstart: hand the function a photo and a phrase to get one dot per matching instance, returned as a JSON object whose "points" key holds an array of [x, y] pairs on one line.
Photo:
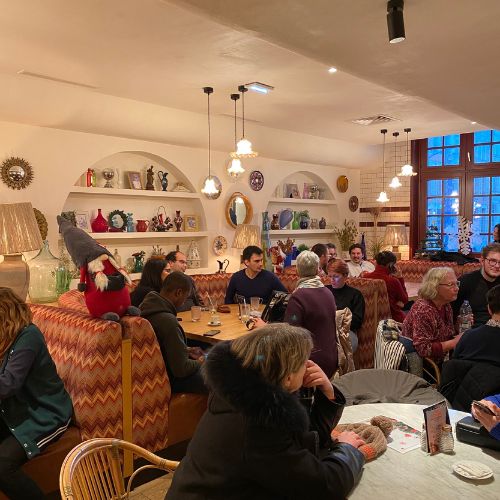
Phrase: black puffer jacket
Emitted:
{"points": [[255, 442]]}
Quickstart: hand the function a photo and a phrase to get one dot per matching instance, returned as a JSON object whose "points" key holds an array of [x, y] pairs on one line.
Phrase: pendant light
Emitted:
{"points": [[407, 170], [382, 197], [235, 169], [211, 185], [244, 146], [395, 183]]}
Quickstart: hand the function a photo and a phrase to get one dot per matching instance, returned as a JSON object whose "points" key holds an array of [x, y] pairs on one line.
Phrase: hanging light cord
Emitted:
{"points": [[235, 137], [208, 106], [383, 158], [396, 134], [243, 114]]}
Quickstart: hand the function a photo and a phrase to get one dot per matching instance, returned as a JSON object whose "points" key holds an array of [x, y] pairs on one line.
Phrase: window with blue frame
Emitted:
{"points": [[486, 147], [443, 151]]}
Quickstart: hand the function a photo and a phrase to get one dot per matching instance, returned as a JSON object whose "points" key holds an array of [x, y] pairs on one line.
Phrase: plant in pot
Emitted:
{"points": [[304, 219], [302, 247], [346, 234], [375, 246]]}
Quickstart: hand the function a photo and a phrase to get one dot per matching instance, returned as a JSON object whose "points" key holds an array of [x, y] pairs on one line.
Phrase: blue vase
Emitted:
{"points": [[286, 216], [288, 260]]}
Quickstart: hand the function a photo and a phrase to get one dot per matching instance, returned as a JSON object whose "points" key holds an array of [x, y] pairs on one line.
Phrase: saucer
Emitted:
{"points": [[472, 470], [218, 323]]}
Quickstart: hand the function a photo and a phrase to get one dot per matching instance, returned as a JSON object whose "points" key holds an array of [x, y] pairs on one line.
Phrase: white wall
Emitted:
{"points": [[59, 157]]}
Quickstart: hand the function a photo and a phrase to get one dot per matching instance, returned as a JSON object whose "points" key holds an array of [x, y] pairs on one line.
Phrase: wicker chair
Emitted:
{"points": [[93, 469]]}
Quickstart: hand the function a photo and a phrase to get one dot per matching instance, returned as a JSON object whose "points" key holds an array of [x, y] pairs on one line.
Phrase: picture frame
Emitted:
{"points": [[191, 223], [291, 191], [82, 221], [135, 180], [311, 191]]}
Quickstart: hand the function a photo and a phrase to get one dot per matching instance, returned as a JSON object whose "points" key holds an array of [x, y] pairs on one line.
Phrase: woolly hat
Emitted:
{"points": [[373, 434]]}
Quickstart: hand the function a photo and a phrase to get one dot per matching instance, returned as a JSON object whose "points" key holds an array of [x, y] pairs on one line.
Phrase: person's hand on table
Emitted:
{"points": [[316, 377], [195, 352], [351, 438], [488, 421]]}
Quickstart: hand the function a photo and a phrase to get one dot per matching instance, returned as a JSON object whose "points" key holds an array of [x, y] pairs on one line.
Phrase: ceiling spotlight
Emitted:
{"points": [[262, 88], [473, 123], [332, 70], [395, 21]]}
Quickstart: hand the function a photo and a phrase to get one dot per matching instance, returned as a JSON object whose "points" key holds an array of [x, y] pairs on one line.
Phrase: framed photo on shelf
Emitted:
{"points": [[82, 220], [191, 223], [291, 191], [135, 180]]}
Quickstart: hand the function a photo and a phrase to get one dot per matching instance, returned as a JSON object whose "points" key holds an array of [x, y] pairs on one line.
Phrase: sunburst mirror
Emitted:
{"points": [[17, 173]]}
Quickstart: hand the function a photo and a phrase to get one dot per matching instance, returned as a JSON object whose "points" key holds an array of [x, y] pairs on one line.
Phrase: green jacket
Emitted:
{"points": [[33, 401]]}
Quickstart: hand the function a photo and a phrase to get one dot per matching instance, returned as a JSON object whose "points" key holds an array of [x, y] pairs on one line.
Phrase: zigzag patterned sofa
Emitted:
{"points": [[415, 269]]}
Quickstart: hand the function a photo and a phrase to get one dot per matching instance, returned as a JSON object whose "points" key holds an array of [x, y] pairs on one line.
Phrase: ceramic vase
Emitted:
{"points": [[178, 220], [286, 216], [322, 223], [43, 268], [296, 220], [163, 180], [266, 223], [275, 222], [304, 223], [130, 222], [99, 224]]}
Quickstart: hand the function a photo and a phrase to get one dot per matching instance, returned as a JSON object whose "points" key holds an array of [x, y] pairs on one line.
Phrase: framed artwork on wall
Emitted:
{"points": [[82, 220], [135, 180], [191, 223]]}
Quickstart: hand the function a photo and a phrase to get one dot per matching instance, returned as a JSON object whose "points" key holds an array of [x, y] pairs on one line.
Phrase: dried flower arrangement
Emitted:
{"points": [[346, 234]]}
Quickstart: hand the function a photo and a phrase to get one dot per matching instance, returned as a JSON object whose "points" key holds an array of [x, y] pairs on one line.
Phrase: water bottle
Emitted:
{"points": [[465, 317]]}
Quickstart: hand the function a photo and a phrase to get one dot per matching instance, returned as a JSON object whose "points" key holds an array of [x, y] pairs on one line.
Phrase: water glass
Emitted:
{"points": [[255, 302], [245, 312], [195, 313]]}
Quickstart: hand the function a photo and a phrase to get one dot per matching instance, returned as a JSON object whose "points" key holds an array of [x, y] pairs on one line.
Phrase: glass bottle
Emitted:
{"points": [[423, 439], [446, 442], [63, 277], [43, 276]]}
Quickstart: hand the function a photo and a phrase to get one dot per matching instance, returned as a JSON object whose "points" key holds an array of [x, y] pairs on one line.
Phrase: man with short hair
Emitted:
{"points": [[253, 281], [332, 251], [321, 251], [496, 233], [177, 261], [475, 285], [357, 265], [160, 309]]}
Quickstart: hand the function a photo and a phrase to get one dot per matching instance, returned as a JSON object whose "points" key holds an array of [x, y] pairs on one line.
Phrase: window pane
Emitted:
{"points": [[450, 225], [495, 219], [434, 206], [482, 185], [434, 142], [482, 137], [482, 154], [450, 243], [452, 156], [496, 135], [434, 221], [434, 188], [478, 241], [481, 205], [452, 140], [495, 153], [434, 157], [451, 187], [495, 204], [450, 206], [480, 224]]}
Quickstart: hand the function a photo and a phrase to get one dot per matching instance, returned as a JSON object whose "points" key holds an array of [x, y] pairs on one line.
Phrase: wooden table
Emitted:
{"points": [[231, 327], [414, 475]]}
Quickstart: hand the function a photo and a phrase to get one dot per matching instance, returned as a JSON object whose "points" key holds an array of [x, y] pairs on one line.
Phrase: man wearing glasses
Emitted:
{"points": [[475, 285]]}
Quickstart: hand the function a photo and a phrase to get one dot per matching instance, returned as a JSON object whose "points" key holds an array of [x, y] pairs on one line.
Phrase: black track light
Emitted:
{"points": [[395, 21]]}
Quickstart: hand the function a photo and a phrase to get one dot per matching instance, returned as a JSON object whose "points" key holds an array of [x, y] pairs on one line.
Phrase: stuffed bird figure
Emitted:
{"points": [[102, 280]]}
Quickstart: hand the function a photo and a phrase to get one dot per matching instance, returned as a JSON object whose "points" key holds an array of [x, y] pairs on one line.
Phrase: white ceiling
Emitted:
{"points": [[148, 59]]}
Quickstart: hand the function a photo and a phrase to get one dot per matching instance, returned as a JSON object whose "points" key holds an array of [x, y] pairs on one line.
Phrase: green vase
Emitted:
{"points": [[296, 220]]}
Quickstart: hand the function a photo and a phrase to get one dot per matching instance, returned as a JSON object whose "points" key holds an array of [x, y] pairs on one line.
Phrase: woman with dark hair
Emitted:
{"points": [[153, 274], [257, 440], [35, 408]]}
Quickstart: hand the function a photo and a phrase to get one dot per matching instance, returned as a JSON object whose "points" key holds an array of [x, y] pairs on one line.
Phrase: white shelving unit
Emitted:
{"points": [[149, 235], [301, 201], [299, 232], [129, 193]]}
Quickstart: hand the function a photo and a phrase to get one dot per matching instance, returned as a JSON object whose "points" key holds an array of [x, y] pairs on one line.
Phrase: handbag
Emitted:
{"points": [[274, 312], [471, 431]]}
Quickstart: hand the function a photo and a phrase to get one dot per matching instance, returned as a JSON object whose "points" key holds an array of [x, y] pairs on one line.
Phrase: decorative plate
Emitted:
{"points": [[219, 245], [353, 203], [256, 180], [342, 183]]}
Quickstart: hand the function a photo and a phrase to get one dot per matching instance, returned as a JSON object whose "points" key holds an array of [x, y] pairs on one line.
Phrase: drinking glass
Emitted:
{"points": [[195, 313], [255, 303], [245, 312]]}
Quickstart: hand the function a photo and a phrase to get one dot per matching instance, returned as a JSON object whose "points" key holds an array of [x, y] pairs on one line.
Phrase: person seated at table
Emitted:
{"points": [[386, 270], [490, 422], [257, 440], [429, 324], [177, 261], [321, 251], [482, 344], [332, 251], [35, 408], [312, 306], [357, 266], [496, 233], [253, 281], [153, 274], [346, 296], [160, 309]]}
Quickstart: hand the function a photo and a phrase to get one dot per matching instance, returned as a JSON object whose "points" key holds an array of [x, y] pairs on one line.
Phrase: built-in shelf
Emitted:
{"points": [[301, 201], [92, 191], [299, 231], [148, 235]]}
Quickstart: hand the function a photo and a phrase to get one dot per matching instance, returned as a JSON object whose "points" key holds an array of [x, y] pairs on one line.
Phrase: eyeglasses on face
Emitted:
{"points": [[492, 262], [455, 284]]}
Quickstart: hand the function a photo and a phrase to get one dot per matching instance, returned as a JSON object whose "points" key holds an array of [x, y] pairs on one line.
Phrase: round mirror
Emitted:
{"points": [[238, 210], [16, 172]]}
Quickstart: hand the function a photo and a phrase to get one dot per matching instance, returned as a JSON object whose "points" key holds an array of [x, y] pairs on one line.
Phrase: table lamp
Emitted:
{"points": [[246, 235], [395, 235], [18, 233]]}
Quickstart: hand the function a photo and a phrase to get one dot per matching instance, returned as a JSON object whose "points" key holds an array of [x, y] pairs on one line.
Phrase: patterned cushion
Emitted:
{"points": [[214, 284], [414, 270], [74, 300]]}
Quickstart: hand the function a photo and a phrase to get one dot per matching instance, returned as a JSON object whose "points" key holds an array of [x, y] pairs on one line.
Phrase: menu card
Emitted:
{"points": [[435, 417], [403, 438]]}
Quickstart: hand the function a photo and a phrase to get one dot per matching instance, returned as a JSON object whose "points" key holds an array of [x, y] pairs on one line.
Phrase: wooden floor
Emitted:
{"points": [[154, 490]]}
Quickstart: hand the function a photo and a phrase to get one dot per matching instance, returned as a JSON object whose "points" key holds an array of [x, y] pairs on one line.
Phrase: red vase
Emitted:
{"points": [[99, 224]]}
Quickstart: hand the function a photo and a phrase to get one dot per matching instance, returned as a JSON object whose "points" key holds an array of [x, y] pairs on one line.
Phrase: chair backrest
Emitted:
{"points": [[93, 469]]}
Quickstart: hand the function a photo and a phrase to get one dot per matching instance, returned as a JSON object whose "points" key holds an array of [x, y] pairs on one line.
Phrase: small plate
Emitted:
{"points": [[472, 470], [219, 245], [256, 180]]}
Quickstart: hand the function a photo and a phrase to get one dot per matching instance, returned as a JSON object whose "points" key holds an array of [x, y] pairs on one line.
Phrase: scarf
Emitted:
{"points": [[309, 282], [493, 322]]}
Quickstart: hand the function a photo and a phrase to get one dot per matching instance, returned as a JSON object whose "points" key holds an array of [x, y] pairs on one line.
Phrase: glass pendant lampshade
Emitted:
{"points": [[407, 170], [244, 146], [235, 169], [382, 197], [395, 183], [211, 186]]}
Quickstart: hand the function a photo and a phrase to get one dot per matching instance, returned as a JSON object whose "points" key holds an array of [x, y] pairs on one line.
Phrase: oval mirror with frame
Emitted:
{"points": [[238, 210], [17, 173]]}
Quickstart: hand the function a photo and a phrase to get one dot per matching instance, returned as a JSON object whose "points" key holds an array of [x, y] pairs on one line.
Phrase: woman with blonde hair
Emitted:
{"points": [[256, 439], [430, 321], [35, 407]]}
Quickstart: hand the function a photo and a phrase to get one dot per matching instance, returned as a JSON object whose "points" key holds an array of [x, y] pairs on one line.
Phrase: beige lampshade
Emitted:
{"points": [[18, 229], [395, 235], [245, 235]]}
